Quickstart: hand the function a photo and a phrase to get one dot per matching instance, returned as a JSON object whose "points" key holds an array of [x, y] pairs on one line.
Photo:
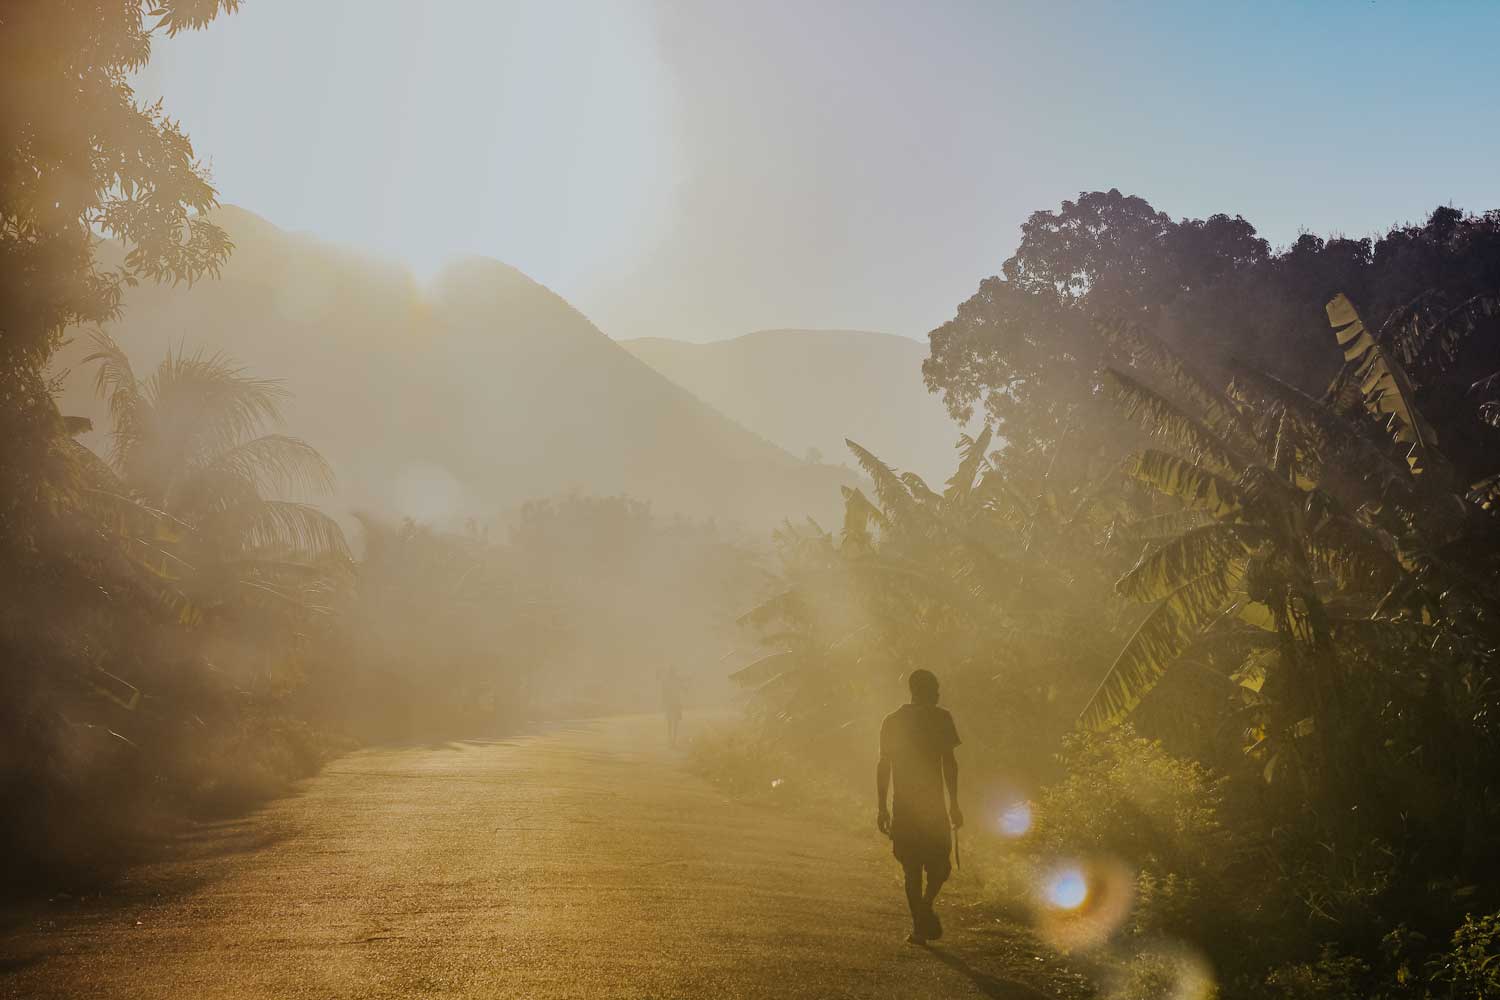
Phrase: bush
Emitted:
{"points": [[1470, 969], [739, 759], [1154, 975], [745, 764], [1331, 977], [1126, 799], [257, 760]]}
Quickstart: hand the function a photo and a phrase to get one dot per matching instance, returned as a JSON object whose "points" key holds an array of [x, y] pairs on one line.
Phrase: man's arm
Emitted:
{"points": [[950, 778], [882, 791]]}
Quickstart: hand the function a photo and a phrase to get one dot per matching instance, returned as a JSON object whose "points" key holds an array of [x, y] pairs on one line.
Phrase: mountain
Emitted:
{"points": [[807, 389], [459, 399]]}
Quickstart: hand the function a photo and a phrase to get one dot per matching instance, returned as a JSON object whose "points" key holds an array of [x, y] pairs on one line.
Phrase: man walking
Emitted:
{"points": [[671, 702], [916, 750]]}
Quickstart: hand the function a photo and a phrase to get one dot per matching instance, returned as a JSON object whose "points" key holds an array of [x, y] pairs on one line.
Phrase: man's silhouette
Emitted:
{"points": [[671, 702], [916, 749]]}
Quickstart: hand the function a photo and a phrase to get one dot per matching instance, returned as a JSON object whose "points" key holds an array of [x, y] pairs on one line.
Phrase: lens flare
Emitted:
{"points": [[1081, 904], [1066, 888], [1015, 821]]}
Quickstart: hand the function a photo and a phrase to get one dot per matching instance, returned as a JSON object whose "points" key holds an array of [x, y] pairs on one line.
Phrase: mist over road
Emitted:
{"points": [[584, 861]]}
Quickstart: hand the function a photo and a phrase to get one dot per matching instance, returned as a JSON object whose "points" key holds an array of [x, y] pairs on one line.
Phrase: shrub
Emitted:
{"points": [[1331, 977], [1125, 798], [1470, 969], [1154, 975]]}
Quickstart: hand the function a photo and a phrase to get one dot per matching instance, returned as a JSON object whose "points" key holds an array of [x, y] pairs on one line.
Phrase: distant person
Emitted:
{"points": [[916, 750], [671, 702]]}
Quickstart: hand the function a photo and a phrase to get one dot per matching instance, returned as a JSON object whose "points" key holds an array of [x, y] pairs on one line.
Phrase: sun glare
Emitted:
{"points": [[1066, 888], [1015, 821]]}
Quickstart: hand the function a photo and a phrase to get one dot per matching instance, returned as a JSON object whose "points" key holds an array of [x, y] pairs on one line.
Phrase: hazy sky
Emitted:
{"points": [[699, 169]]}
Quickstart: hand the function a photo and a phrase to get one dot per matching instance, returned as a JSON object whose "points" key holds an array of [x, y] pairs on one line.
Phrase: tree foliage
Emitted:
{"points": [[85, 159], [1250, 493]]}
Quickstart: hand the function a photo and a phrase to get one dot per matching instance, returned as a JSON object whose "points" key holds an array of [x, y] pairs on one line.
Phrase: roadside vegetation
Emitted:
{"points": [[184, 630], [1214, 594], [1213, 597]]}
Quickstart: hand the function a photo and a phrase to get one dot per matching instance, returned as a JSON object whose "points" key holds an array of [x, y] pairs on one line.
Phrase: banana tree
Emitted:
{"points": [[1280, 555], [919, 577], [1312, 530]]}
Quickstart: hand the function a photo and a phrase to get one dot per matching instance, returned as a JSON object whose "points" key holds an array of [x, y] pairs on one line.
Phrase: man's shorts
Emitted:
{"points": [[929, 849]]}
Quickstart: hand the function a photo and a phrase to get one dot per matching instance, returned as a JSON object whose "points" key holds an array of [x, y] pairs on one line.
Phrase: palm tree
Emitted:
{"points": [[188, 445], [1304, 534]]}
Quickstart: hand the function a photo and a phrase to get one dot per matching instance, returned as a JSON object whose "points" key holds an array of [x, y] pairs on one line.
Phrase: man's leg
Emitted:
{"points": [[935, 879], [914, 899], [938, 869]]}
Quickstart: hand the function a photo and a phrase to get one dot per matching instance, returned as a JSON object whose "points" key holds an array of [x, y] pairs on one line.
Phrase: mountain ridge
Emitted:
{"points": [[808, 390], [455, 398]]}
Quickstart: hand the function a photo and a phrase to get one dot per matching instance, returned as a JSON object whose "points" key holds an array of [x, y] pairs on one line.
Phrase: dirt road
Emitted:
{"points": [[581, 862]]}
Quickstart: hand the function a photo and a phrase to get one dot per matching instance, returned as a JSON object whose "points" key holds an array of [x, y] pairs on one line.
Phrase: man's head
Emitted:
{"points": [[924, 687]]}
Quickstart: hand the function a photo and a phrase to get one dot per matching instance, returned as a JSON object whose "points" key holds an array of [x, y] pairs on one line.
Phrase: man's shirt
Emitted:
{"points": [[914, 739]]}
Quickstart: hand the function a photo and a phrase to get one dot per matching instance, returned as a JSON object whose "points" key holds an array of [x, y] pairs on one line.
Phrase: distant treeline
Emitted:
{"points": [[193, 634]]}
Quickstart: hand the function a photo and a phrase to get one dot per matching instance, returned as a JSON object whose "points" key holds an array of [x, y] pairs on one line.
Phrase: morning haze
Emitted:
{"points": [[699, 171], [489, 490]]}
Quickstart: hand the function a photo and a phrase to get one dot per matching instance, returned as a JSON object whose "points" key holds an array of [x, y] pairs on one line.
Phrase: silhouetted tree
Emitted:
{"points": [[1025, 347], [82, 161]]}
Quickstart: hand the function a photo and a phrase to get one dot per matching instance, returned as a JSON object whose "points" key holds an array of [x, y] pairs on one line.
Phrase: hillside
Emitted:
{"points": [[812, 388], [459, 399]]}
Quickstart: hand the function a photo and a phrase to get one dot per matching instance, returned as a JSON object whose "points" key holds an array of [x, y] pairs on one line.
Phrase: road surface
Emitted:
{"points": [[585, 861]]}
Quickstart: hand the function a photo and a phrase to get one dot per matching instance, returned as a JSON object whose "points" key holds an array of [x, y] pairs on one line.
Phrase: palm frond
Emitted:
{"points": [[1219, 411], [1293, 456], [1253, 669], [973, 453], [1194, 486], [272, 464], [116, 384], [1168, 422], [1251, 612], [1384, 635], [206, 492], [782, 605], [996, 494], [127, 517], [1485, 493], [147, 546], [1189, 556], [1159, 527], [274, 596], [918, 488], [1428, 335], [1354, 555], [1170, 627], [1336, 442], [860, 515], [281, 528], [85, 469], [203, 406], [1383, 384], [894, 495]]}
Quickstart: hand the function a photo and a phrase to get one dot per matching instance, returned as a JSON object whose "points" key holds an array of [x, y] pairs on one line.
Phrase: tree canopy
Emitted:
{"points": [[1024, 347]]}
